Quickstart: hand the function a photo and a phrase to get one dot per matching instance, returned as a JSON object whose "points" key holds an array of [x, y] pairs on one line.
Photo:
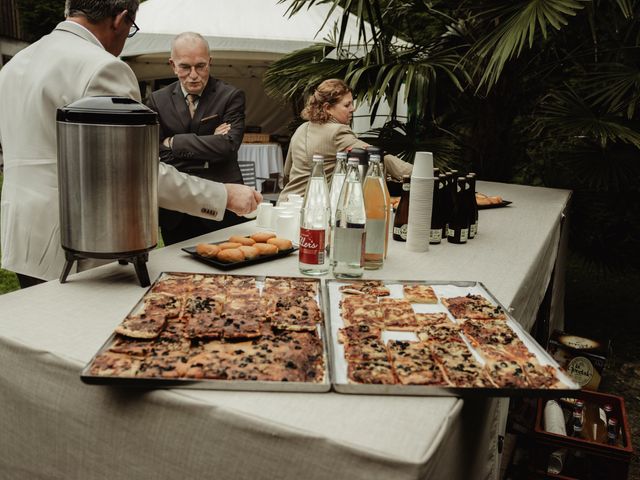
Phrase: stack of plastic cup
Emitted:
{"points": [[263, 218], [420, 203]]}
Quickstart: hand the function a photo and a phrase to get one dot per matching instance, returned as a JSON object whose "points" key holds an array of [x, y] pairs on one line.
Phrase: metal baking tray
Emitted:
{"points": [[342, 384], [213, 384]]}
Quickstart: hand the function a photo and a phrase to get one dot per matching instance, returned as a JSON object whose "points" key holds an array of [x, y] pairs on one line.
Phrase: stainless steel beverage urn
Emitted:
{"points": [[108, 181]]}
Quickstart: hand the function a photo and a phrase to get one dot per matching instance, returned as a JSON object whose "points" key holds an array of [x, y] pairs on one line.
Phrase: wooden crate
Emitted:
{"points": [[602, 461], [256, 138]]}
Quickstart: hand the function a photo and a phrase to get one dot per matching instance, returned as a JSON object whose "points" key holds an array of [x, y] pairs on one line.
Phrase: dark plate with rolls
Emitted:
{"points": [[214, 262]]}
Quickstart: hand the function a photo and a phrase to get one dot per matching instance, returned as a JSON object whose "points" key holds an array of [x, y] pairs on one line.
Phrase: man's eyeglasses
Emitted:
{"points": [[185, 69], [134, 28]]}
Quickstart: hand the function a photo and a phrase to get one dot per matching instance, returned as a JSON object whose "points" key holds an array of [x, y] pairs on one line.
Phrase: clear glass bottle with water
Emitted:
{"points": [[349, 232], [315, 216], [376, 205], [337, 181]]}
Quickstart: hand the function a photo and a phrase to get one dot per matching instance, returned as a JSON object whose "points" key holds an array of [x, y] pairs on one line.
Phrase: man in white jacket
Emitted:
{"points": [[77, 59]]}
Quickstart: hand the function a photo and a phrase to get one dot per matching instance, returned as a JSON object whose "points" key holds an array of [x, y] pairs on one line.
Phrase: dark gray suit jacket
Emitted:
{"points": [[196, 150]]}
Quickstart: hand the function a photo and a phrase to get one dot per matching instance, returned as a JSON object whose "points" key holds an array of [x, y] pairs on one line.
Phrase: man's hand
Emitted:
{"points": [[222, 129], [241, 199]]}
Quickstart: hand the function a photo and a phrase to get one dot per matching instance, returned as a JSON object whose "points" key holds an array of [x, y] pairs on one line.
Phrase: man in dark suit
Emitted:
{"points": [[201, 128]]}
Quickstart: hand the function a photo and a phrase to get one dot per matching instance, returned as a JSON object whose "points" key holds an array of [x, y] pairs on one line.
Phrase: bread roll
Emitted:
{"points": [[266, 249], [242, 240], [226, 245], [250, 252], [281, 243], [262, 237], [230, 255], [207, 250]]}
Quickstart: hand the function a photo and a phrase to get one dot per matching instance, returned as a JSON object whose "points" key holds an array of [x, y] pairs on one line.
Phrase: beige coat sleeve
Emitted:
{"points": [[394, 166], [191, 195]]}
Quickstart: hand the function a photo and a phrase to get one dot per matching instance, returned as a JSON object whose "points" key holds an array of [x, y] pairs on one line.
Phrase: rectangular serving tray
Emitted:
{"points": [[211, 384], [341, 383]]}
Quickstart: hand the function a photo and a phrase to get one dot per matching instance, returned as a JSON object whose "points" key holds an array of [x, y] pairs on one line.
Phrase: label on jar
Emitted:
{"points": [[401, 231], [312, 246], [581, 370], [435, 235]]}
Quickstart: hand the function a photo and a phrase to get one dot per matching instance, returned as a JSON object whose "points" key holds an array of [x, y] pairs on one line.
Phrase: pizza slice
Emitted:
{"points": [[365, 350], [376, 288], [112, 364], [424, 320], [151, 317], [473, 306], [413, 364], [441, 332], [397, 314], [174, 284], [364, 309], [419, 293], [371, 372], [239, 324], [203, 317], [299, 314], [359, 332], [459, 365], [163, 364]]}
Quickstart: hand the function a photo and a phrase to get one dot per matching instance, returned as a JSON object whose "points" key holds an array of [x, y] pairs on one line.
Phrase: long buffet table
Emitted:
{"points": [[55, 427]]}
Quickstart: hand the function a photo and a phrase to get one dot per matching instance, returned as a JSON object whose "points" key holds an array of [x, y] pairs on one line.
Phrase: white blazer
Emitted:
{"points": [[60, 68]]}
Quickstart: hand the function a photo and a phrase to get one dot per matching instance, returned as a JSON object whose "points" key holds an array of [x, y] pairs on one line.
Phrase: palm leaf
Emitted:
{"points": [[614, 87], [517, 25], [567, 115]]}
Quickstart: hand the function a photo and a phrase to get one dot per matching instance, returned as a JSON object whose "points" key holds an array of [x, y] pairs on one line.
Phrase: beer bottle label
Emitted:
{"points": [[401, 231]]}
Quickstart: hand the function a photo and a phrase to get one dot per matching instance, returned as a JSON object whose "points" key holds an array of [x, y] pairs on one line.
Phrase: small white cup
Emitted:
{"points": [[275, 213], [286, 226], [294, 198], [423, 165], [263, 218]]}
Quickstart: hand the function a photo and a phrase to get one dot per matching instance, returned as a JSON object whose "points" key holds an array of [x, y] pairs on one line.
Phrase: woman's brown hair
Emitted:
{"points": [[330, 91]]}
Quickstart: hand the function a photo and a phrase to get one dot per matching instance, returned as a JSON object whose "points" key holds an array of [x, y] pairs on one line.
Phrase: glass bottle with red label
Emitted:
{"points": [[315, 216]]}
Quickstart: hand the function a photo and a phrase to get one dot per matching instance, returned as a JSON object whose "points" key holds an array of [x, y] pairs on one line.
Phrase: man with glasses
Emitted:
{"points": [[77, 59], [201, 129]]}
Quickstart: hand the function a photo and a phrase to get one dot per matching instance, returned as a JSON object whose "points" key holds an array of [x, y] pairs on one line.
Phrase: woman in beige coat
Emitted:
{"points": [[328, 112]]}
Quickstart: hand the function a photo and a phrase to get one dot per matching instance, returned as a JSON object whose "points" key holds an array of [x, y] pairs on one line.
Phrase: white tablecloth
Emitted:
{"points": [[266, 156], [52, 426]]}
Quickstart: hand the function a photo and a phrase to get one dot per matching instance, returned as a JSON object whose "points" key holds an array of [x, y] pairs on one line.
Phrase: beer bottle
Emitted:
{"points": [[401, 219], [612, 431], [473, 206], [459, 223], [437, 216]]}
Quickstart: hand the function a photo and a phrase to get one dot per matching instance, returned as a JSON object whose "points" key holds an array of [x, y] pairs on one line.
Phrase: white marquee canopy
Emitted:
{"points": [[245, 36]]}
